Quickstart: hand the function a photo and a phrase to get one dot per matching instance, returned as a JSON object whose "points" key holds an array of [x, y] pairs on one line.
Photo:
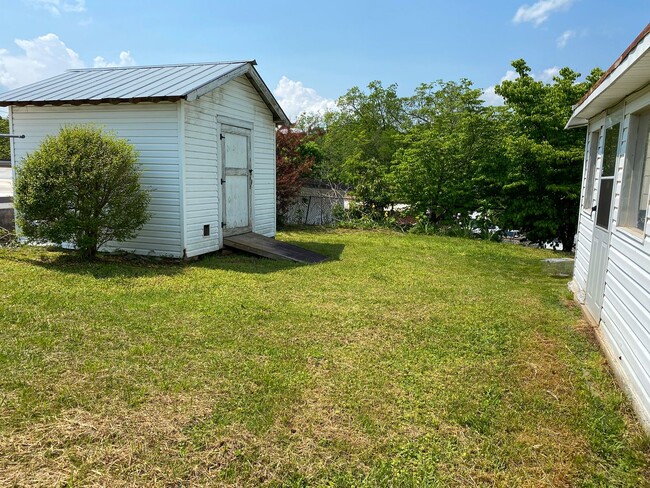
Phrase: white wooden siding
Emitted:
{"points": [[625, 318], [153, 130], [238, 100]]}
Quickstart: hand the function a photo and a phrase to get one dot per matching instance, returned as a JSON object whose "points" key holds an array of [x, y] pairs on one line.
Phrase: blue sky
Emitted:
{"points": [[310, 53]]}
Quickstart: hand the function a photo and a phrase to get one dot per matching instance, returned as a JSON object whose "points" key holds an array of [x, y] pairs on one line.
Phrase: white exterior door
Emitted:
{"points": [[236, 182], [602, 228], [597, 270]]}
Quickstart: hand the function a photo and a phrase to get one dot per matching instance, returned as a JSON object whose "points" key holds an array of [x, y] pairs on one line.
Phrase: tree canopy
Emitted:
{"points": [[444, 153], [541, 189]]}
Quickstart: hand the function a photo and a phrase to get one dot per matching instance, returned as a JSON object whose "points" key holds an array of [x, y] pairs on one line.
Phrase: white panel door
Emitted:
{"points": [[236, 180]]}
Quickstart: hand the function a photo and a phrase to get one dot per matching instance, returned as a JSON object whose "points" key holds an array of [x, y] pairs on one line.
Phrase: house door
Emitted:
{"points": [[236, 181], [602, 228]]}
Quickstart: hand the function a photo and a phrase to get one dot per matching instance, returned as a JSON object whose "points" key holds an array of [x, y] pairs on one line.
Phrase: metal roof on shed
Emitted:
{"points": [[139, 84]]}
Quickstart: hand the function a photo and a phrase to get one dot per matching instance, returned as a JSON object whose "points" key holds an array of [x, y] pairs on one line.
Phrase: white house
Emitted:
{"points": [[205, 134], [612, 266]]}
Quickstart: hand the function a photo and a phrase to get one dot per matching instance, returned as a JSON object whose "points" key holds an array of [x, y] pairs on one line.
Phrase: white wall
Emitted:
{"points": [[624, 326], [238, 100], [153, 128]]}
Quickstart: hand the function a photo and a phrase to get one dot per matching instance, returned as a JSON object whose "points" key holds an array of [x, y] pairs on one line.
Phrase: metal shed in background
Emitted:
{"points": [[205, 134]]}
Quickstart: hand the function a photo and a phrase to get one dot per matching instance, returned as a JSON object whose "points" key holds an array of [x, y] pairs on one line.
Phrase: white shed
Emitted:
{"points": [[612, 266], [205, 134]]}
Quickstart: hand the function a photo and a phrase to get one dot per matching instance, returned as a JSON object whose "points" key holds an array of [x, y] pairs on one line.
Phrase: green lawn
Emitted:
{"points": [[404, 361]]}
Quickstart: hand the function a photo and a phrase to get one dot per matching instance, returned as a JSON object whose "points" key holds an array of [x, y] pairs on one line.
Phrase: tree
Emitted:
{"points": [[541, 189], [295, 157], [83, 187], [5, 154], [360, 140], [437, 170]]}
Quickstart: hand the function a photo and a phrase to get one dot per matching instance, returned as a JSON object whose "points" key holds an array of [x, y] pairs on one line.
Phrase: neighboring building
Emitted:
{"points": [[6, 198], [205, 134], [612, 266], [316, 203]]}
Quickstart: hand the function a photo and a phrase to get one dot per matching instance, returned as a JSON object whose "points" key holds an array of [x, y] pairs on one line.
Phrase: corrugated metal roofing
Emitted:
{"points": [[139, 84]]}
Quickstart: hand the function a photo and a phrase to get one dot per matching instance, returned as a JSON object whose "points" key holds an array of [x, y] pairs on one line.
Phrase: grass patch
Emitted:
{"points": [[404, 360]]}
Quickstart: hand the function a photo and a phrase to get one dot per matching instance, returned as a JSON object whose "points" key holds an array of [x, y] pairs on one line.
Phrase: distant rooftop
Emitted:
{"points": [[138, 84]]}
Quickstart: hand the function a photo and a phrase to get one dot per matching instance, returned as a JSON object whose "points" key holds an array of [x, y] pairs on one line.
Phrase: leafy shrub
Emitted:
{"points": [[83, 187]]}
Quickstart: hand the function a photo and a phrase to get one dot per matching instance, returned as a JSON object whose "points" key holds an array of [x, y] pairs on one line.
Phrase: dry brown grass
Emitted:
{"points": [[108, 448]]}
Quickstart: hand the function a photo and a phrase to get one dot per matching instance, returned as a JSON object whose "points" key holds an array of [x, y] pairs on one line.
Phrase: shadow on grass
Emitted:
{"points": [[331, 250], [104, 266], [127, 266], [242, 262]]}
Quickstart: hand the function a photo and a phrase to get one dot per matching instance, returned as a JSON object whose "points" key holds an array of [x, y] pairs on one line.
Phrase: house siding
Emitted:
{"points": [[237, 100], [624, 326], [153, 130]]}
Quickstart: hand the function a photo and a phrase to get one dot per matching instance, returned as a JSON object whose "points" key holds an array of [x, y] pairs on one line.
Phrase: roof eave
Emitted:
{"points": [[575, 122], [198, 92], [95, 101], [248, 70], [279, 117], [629, 67]]}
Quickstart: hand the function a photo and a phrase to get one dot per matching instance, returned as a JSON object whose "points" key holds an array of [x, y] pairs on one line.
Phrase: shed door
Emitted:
{"points": [[601, 236], [236, 180]]}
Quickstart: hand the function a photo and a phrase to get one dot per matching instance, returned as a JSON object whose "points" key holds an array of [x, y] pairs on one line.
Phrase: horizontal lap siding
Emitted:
{"points": [[626, 312], [238, 100], [583, 248], [625, 318], [201, 177], [153, 130]]}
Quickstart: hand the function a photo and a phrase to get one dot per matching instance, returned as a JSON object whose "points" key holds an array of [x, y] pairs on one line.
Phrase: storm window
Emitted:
{"points": [[636, 174]]}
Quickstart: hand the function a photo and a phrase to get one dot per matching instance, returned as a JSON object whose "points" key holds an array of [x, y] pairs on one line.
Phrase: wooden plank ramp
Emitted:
{"points": [[273, 249]]}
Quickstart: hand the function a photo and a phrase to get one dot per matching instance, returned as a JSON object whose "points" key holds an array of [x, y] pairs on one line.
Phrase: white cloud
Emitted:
{"points": [[547, 75], [540, 11], [42, 57], [491, 98], [125, 60], [564, 38], [295, 98], [55, 7]]}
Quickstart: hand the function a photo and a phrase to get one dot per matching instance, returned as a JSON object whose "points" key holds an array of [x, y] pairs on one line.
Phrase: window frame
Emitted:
{"points": [[607, 181], [637, 160], [591, 163]]}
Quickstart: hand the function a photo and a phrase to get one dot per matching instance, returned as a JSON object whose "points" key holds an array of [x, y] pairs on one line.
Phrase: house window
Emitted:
{"points": [[588, 202], [636, 174], [607, 176]]}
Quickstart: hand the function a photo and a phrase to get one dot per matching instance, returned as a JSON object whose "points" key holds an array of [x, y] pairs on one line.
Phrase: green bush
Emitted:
{"points": [[82, 187]]}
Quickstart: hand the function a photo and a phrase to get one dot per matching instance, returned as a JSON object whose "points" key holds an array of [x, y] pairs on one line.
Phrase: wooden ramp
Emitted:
{"points": [[270, 248]]}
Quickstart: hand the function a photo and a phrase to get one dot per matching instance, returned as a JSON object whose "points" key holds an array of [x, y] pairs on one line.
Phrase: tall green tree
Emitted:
{"points": [[438, 168], [360, 140], [541, 189]]}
